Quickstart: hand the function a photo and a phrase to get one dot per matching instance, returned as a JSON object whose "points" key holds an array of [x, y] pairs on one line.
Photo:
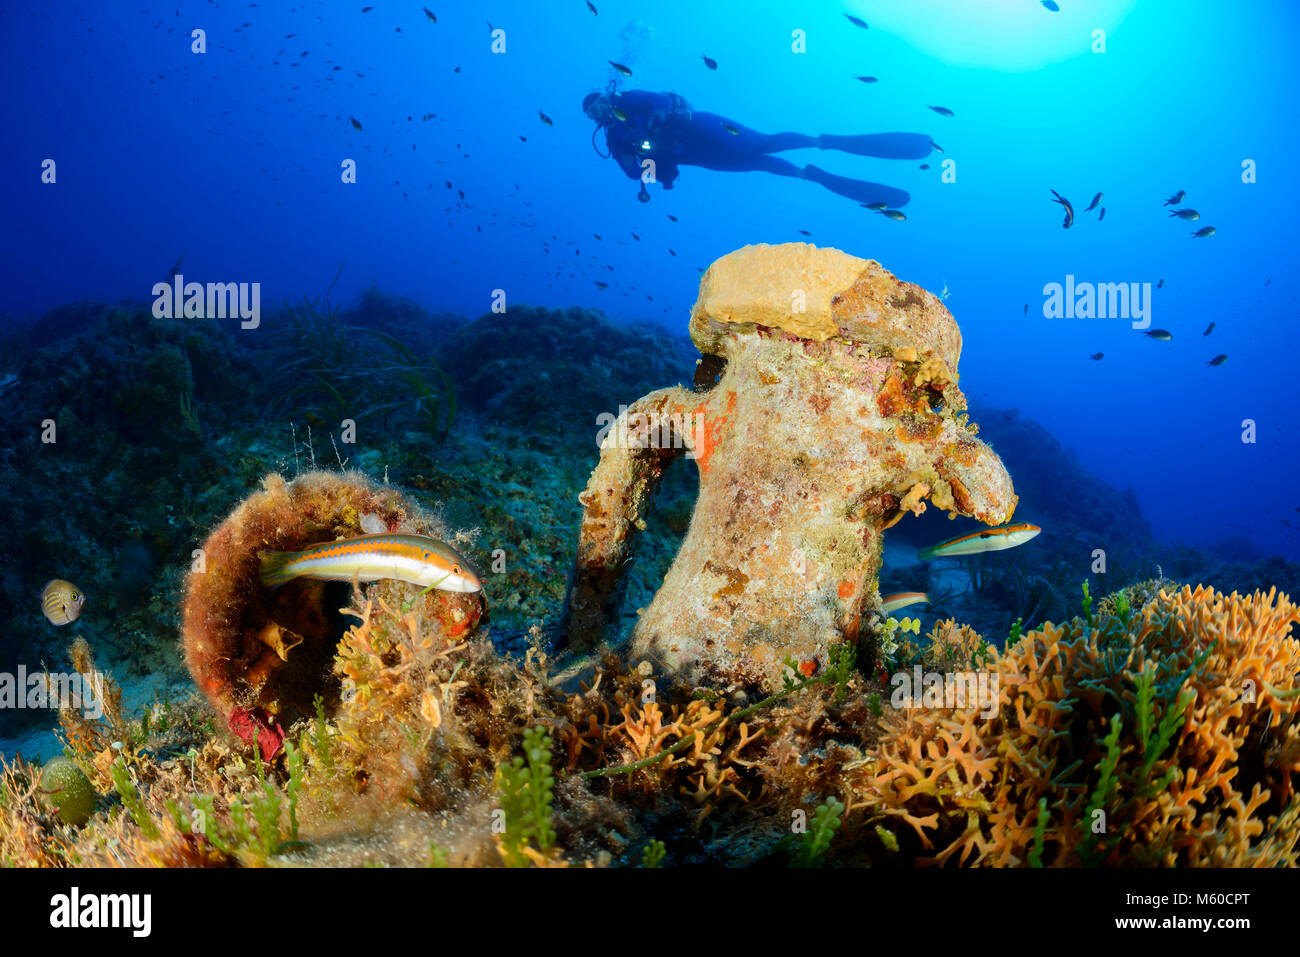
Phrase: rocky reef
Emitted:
{"points": [[1161, 733], [835, 411], [552, 372], [341, 724], [114, 450]]}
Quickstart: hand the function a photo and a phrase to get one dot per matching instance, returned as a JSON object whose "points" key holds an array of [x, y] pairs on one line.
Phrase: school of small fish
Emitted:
{"points": [[430, 563], [1187, 214]]}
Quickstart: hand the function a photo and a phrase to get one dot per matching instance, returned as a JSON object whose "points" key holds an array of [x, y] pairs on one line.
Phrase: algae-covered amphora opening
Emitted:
{"points": [[263, 654]]}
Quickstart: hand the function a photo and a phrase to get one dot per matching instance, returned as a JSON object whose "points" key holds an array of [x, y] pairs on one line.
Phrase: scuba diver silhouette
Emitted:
{"points": [[663, 128]]}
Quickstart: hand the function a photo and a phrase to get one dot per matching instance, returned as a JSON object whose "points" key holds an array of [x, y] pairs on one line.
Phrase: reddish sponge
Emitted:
{"points": [[261, 656], [257, 727]]}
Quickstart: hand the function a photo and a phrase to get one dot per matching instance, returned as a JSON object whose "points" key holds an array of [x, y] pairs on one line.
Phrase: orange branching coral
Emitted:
{"points": [[645, 731], [708, 769], [690, 760], [1167, 735]]}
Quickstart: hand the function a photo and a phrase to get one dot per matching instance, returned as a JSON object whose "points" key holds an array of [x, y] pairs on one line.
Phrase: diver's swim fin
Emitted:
{"points": [[858, 189], [885, 145]]}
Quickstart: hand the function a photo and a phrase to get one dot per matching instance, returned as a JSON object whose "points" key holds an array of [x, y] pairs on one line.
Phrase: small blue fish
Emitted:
{"points": [[1069, 210]]}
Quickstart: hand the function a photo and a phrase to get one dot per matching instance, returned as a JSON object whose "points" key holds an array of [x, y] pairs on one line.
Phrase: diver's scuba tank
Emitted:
{"points": [[679, 108], [678, 113]]}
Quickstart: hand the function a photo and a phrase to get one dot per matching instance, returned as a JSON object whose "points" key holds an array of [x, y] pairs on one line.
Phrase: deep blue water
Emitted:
{"points": [[232, 157]]}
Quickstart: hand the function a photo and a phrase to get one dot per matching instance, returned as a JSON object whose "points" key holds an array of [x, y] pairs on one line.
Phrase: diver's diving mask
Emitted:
{"points": [[598, 107]]}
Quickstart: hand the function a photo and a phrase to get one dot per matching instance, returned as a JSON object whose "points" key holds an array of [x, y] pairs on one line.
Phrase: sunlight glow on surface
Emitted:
{"points": [[1008, 35]]}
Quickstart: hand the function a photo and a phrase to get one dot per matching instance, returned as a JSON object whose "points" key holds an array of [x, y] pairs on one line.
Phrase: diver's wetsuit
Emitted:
{"points": [[662, 127]]}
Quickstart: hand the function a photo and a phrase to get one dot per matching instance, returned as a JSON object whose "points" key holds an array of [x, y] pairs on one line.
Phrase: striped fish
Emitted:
{"points": [[892, 603], [61, 601], [985, 540], [408, 558]]}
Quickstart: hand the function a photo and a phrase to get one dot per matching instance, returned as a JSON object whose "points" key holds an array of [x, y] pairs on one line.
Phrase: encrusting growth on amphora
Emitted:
{"points": [[834, 412]]}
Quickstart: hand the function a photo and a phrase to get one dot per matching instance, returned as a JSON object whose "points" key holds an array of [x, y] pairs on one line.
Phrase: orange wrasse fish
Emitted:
{"points": [[409, 558], [985, 540], [891, 603]]}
